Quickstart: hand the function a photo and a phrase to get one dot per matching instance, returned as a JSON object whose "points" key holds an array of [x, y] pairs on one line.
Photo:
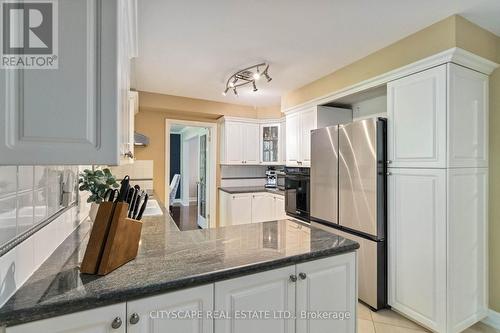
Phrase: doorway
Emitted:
{"points": [[190, 173]]}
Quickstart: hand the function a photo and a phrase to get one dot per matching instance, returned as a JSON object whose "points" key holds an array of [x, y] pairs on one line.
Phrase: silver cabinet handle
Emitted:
{"points": [[129, 154], [302, 276], [389, 162], [293, 278], [389, 174], [134, 318], [234, 197], [117, 323]]}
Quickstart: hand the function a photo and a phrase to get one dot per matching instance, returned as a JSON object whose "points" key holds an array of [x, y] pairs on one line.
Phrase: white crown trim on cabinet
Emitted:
{"points": [[493, 319], [455, 55]]}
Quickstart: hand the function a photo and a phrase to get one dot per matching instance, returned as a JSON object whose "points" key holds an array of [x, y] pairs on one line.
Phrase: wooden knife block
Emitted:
{"points": [[114, 240]]}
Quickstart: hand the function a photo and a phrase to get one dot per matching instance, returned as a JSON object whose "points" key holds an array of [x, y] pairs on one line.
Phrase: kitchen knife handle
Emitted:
{"points": [[143, 207]]}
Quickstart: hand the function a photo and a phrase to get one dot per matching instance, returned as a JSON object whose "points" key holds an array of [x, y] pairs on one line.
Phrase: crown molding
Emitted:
{"points": [[455, 55]]}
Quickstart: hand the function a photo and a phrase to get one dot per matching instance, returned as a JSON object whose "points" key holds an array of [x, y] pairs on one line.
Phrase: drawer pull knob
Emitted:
{"points": [[302, 276], [134, 318], [293, 278], [117, 323]]}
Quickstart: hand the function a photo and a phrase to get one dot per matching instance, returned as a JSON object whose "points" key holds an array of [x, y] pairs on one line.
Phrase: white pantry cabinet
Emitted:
{"points": [[155, 314], [417, 244], [438, 196], [72, 114], [109, 319], [299, 125], [438, 246], [438, 118], [304, 290], [242, 208]]}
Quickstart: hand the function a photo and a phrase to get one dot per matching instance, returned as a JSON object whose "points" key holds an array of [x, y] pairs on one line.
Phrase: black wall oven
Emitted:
{"points": [[297, 192]]}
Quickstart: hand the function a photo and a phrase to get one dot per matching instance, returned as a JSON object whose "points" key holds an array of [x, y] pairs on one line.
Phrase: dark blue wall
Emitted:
{"points": [[175, 159]]}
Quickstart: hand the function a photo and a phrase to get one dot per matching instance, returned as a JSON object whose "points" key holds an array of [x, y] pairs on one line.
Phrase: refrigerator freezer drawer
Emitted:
{"points": [[372, 268]]}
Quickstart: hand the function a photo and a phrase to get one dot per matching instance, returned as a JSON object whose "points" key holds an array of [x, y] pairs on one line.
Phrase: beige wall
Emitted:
{"points": [[454, 31], [155, 108]]}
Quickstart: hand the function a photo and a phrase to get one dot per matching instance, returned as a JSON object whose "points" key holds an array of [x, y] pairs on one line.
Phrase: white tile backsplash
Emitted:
{"points": [[8, 180]]}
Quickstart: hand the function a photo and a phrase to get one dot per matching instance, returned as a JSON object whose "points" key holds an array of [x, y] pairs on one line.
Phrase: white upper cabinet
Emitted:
{"points": [[72, 114], [240, 142], [298, 137], [145, 315], [417, 120], [468, 118], [271, 144], [251, 143], [293, 139]]}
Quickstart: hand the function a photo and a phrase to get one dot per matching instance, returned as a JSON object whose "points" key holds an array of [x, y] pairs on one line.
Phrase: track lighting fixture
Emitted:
{"points": [[249, 75]]}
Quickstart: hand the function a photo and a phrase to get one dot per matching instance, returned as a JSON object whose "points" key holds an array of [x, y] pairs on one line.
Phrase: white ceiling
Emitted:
{"points": [[190, 48]]}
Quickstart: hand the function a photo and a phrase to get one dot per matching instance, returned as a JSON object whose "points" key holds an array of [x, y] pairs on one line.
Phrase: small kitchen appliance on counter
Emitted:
{"points": [[272, 178]]}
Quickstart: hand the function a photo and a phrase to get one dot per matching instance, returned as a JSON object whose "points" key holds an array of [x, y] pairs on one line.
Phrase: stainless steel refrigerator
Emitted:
{"points": [[348, 193]]}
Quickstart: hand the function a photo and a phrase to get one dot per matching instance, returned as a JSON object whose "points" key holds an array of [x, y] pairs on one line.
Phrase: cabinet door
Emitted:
{"points": [[279, 207], [251, 143], [270, 291], [417, 245], [157, 314], [327, 285], [467, 118], [467, 247], [262, 207], [307, 124], [241, 209], [270, 144], [292, 139], [99, 320], [234, 143], [417, 120], [68, 115]]}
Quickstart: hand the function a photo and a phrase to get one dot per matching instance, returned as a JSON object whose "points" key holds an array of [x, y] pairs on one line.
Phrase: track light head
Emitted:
{"points": [[254, 86], [268, 78], [224, 93], [235, 92]]}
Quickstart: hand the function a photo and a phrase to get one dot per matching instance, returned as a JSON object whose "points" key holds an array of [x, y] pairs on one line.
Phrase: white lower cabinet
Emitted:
{"points": [[262, 207], [156, 314], [271, 291], [255, 207], [324, 287], [274, 301], [108, 319], [438, 247], [327, 285]]}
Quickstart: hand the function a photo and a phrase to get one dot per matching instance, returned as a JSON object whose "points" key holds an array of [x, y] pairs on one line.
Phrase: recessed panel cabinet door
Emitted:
{"points": [[241, 209], [108, 319], [168, 312], [327, 287], [307, 124], [251, 143], [292, 139], [262, 207], [234, 143], [417, 245], [270, 292], [417, 120], [67, 115]]}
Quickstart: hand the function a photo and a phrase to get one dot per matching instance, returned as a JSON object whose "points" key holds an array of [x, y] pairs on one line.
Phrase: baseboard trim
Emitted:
{"points": [[493, 319]]}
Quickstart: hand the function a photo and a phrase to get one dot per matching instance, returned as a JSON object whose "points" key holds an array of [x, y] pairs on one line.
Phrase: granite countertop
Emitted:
{"points": [[168, 259], [250, 189]]}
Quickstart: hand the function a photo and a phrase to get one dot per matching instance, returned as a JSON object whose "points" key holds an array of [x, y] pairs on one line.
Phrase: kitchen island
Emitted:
{"points": [[226, 269]]}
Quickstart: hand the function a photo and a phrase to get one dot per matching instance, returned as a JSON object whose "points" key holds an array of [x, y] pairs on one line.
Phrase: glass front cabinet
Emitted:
{"points": [[270, 143]]}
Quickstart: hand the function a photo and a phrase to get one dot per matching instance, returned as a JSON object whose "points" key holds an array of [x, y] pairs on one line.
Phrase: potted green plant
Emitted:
{"points": [[97, 182]]}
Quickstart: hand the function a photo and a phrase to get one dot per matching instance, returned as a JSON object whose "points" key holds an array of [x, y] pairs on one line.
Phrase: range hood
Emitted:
{"points": [[140, 140]]}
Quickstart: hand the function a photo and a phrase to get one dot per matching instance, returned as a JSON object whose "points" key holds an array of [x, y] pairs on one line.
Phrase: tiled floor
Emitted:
{"points": [[387, 321]]}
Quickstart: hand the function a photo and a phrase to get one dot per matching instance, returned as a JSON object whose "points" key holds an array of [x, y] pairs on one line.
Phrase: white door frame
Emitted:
{"points": [[212, 161]]}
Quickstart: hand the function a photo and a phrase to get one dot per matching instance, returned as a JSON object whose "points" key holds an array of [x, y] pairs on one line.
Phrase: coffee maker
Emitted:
{"points": [[272, 178]]}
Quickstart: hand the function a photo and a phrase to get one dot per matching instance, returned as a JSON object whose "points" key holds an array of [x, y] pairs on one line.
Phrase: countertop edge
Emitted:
{"points": [[46, 312]]}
